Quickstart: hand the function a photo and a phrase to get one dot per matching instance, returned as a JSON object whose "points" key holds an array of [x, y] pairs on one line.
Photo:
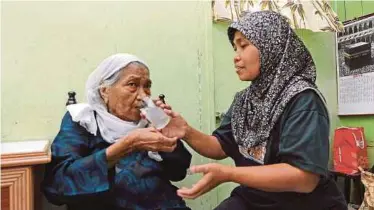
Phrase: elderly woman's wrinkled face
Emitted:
{"points": [[124, 97], [247, 58]]}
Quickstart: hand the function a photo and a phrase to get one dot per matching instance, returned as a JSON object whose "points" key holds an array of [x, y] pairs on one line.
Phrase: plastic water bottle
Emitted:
{"points": [[154, 114], [157, 117]]}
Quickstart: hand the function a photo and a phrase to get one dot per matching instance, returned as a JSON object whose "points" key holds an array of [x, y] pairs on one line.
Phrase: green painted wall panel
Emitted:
{"points": [[352, 9], [340, 9], [226, 83], [348, 10], [226, 80], [367, 7]]}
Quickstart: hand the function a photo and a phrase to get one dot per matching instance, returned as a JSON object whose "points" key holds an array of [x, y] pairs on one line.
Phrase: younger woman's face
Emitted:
{"points": [[246, 59]]}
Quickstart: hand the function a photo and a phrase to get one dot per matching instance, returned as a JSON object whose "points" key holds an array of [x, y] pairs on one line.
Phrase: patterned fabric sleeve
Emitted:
{"points": [[75, 173]]}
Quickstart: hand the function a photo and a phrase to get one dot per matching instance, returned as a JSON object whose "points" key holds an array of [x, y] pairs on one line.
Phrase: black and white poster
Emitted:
{"points": [[355, 65]]}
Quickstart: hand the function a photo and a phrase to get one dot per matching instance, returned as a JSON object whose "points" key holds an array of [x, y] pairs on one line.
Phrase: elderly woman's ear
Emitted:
{"points": [[104, 93]]}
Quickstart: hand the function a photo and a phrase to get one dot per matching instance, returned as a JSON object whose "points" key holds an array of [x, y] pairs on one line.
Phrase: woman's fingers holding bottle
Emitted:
{"points": [[171, 113], [160, 104]]}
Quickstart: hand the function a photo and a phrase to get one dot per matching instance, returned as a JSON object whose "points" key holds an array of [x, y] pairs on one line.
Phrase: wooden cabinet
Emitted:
{"points": [[19, 161]]}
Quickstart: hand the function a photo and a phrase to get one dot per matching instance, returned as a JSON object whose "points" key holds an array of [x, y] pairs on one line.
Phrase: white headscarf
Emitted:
{"points": [[111, 127]]}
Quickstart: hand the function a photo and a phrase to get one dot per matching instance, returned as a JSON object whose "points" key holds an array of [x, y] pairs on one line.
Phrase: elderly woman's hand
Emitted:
{"points": [[150, 139], [142, 139]]}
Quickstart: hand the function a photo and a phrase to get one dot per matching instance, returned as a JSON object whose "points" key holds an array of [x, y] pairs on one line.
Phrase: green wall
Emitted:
{"points": [[49, 48], [348, 10], [226, 84]]}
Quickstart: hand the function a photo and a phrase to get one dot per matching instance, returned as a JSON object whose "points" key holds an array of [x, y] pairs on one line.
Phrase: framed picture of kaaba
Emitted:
{"points": [[355, 67]]}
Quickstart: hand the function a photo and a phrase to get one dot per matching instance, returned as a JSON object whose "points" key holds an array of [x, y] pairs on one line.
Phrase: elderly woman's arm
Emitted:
{"points": [[80, 168], [146, 139], [75, 173], [176, 163]]}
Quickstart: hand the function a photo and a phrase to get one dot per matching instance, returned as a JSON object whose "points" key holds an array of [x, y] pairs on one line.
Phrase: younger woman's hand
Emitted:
{"points": [[214, 175]]}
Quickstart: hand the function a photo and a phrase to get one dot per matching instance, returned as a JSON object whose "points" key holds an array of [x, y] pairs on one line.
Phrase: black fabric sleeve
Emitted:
{"points": [[176, 163], [304, 138]]}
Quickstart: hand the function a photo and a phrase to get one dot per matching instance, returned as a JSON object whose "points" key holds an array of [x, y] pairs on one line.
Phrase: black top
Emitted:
{"points": [[301, 139]]}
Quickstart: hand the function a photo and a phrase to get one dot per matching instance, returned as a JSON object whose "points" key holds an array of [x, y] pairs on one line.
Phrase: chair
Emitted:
{"points": [[348, 178], [71, 99]]}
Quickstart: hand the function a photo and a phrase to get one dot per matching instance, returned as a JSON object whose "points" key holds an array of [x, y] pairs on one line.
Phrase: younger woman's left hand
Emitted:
{"points": [[214, 175]]}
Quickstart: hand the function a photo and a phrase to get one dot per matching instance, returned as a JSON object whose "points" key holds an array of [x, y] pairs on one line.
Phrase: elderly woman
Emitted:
{"points": [[100, 157], [276, 130]]}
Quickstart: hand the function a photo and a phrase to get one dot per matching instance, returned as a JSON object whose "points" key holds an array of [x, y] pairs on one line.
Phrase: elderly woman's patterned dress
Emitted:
{"points": [[79, 176]]}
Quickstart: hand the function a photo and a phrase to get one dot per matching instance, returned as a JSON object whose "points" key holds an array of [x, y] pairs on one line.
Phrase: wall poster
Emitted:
{"points": [[355, 66]]}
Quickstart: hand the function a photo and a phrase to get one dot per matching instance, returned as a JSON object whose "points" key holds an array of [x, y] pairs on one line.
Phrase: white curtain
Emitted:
{"points": [[315, 15]]}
